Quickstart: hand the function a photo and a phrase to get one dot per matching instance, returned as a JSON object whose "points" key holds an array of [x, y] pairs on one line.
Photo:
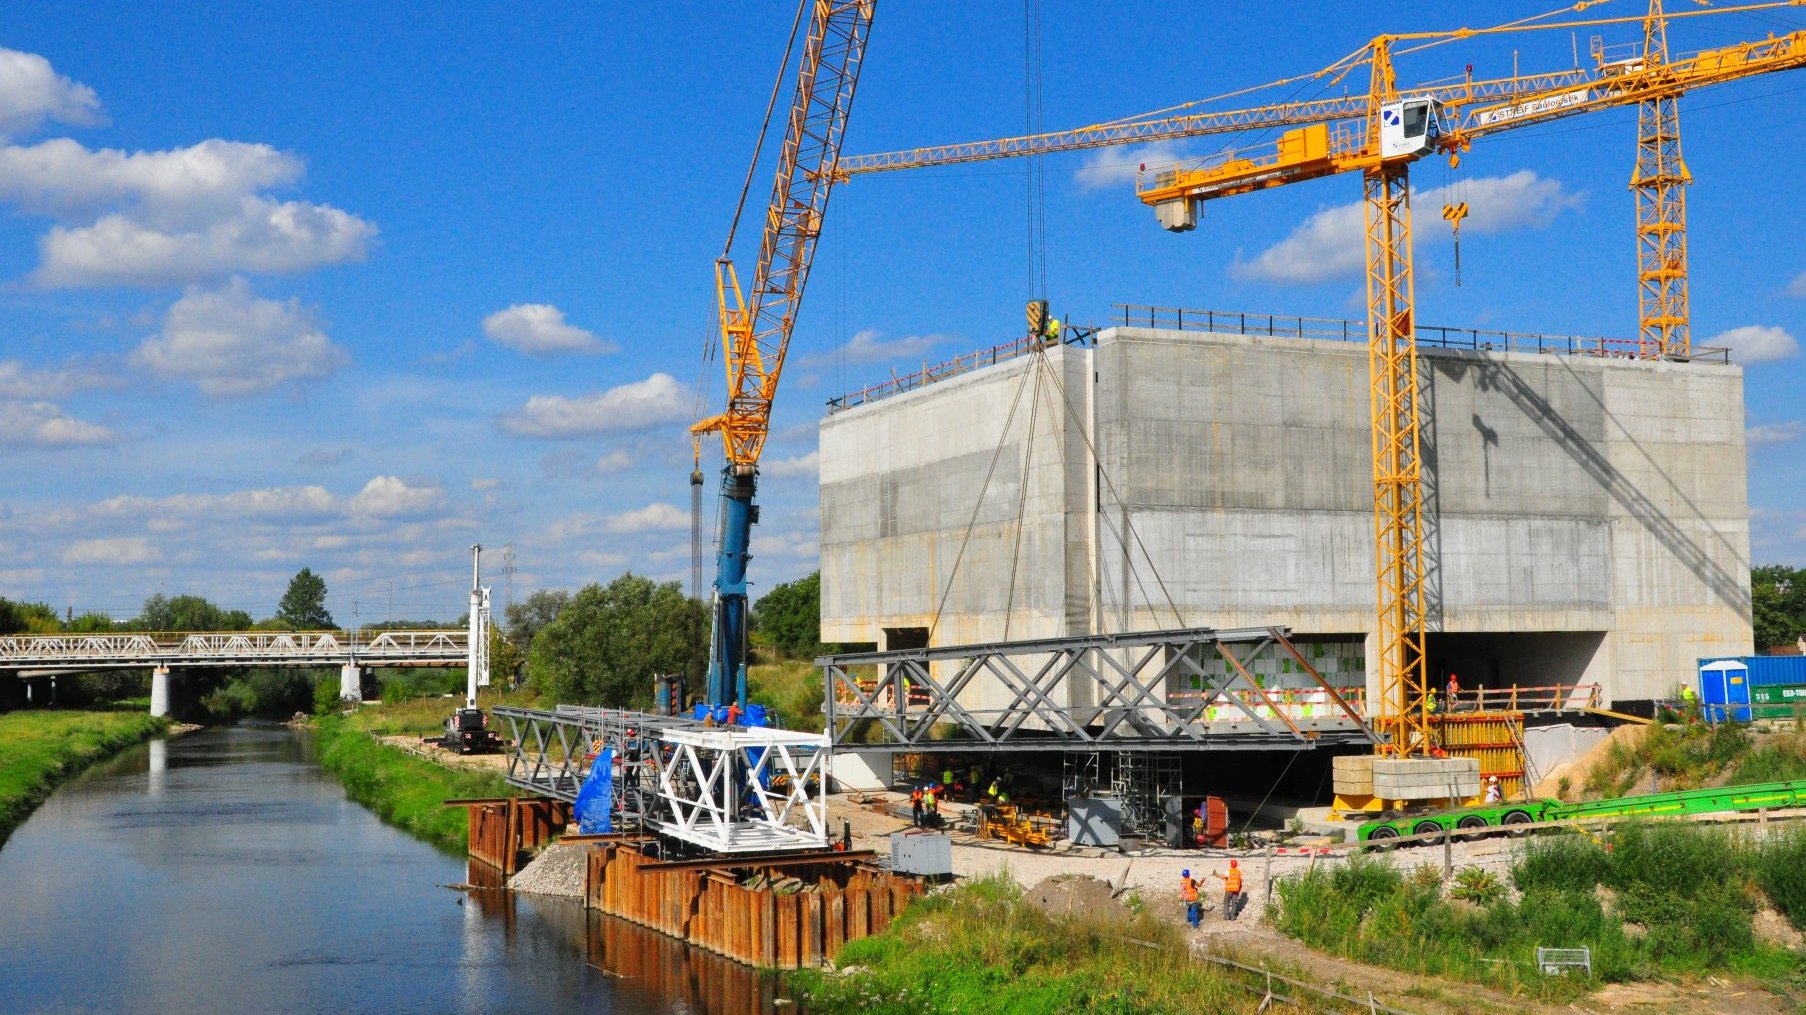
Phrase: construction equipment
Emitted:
{"points": [[755, 328], [1379, 135], [467, 730], [1510, 817]]}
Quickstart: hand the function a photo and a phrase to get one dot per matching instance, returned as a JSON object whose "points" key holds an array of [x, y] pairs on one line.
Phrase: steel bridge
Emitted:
{"points": [[51, 653], [1107, 692]]}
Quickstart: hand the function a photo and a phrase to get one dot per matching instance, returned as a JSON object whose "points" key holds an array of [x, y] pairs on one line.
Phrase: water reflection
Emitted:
{"points": [[225, 872]]}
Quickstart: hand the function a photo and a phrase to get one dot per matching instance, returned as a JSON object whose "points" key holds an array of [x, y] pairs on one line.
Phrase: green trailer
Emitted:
{"points": [[1475, 821]]}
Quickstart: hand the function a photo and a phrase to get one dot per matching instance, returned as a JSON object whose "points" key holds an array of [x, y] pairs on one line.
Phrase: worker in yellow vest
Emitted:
{"points": [[932, 809], [1053, 331], [1188, 894], [1232, 890]]}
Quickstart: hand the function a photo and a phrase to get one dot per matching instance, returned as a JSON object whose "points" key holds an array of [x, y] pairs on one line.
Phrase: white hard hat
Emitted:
{"points": [[1492, 778]]}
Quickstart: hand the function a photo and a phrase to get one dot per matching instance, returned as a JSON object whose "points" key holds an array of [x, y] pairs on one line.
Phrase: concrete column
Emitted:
{"points": [[160, 691], [351, 682]]}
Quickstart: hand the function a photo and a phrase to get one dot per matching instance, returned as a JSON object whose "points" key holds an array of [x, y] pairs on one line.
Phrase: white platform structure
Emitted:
{"points": [[706, 774]]}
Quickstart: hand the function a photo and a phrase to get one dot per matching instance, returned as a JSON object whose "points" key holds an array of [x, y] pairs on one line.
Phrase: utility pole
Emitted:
{"points": [[476, 652]]}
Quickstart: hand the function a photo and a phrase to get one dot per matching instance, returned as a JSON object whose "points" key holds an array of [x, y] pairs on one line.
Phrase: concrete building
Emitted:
{"points": [[1587, 515]]}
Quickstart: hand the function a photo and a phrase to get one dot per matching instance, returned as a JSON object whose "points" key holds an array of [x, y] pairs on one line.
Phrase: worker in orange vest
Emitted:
{"points": [[1188, 893], [1232, 890], [915, 807]]}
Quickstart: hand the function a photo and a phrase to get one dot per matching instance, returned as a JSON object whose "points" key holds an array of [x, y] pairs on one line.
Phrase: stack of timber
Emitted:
{"points": [[779, 916]]}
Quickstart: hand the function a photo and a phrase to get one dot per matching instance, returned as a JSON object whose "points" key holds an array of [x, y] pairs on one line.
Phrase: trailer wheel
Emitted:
{"points": [[1425, 828], [1384, 834], [1516, 818], [1473, 821]]}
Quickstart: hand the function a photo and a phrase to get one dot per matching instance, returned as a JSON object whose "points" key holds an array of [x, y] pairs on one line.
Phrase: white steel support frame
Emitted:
{"points": [[703, 774], [1127, 676]]}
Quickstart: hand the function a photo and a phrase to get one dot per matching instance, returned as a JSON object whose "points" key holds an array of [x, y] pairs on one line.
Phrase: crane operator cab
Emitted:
{"points": [[1409, 127]]}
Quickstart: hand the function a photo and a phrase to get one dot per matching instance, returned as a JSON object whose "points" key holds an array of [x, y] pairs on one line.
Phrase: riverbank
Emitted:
{"points": [[404, 790], [39, 750]]}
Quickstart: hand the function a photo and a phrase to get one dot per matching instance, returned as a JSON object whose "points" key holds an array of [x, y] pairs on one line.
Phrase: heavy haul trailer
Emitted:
{"points": [[1503, 817]]}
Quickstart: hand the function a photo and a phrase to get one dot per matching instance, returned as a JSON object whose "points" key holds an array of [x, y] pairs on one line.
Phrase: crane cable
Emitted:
{"points": [[771, 104]]}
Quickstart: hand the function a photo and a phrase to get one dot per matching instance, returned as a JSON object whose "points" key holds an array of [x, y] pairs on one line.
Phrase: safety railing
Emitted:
{"points": [[153, 646], [1552, 698], [1070, 335], [1233, 322], [1234, 704]]}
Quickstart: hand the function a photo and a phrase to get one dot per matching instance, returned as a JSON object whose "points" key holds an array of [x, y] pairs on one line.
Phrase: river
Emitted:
{"points": [[224, 871]]}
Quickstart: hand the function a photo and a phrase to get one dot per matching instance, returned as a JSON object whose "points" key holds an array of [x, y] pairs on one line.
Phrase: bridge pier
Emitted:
{"points": [[160, 691], [351, 682]]}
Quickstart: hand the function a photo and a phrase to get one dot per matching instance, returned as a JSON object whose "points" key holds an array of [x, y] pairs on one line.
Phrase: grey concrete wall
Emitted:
{"points": [[1568, 494]]}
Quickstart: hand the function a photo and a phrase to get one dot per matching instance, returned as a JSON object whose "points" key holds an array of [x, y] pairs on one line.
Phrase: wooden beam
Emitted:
{"points": [[779, 860]]}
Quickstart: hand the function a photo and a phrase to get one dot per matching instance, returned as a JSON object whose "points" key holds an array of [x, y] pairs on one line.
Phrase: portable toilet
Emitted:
{"points": [[1724, 690]]}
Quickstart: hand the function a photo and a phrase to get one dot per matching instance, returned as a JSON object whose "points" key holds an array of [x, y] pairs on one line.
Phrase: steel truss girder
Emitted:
{"points": [[1126, 675]]}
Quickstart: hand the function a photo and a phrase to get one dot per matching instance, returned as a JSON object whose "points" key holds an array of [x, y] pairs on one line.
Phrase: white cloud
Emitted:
{"points": [[539, 329], [485, 483], [31, 91], [1755, 343], [1798, 286], [232, 343], [114, 551], [280, 502], [1108, 167], [614, 461], [392, 496], [801, 465], [655, 401], [18, 380], [65, 178], [1330, 244], [44, 424], [1775, 433], [260, 237], [866, 347], [659, 517]]}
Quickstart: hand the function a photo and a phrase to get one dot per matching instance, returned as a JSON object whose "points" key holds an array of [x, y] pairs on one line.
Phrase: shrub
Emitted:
{"points": [[1478, 885], [1780, 868], [1560, 864]]}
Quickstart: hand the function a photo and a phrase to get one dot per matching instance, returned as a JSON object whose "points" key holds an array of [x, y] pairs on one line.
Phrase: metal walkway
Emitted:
{"points": [[924, 700], [44, 653]]}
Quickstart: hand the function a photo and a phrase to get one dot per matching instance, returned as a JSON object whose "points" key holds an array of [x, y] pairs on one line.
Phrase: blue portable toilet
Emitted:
{"points": [[1724, 685]]}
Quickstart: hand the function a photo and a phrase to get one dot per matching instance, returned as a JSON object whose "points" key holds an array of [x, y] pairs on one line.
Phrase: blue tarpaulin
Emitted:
{"points": [[594, 808]]}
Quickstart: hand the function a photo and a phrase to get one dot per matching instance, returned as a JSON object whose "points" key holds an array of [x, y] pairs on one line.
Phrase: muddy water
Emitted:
{"points": [[225, 872]]}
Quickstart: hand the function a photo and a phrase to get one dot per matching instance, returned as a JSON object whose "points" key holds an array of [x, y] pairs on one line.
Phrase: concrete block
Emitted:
{"points": [[868, 771]]}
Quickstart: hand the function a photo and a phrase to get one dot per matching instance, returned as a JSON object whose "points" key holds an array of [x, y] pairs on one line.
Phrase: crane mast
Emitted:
{"points": [[1379, 135], [755, 326]]}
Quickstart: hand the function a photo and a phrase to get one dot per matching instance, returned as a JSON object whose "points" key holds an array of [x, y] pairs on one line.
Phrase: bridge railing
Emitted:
{"points": [[174, 646]]}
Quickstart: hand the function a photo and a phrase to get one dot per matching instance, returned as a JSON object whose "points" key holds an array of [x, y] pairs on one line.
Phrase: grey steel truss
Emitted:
{"points": [[915, 699], [551, 753]]}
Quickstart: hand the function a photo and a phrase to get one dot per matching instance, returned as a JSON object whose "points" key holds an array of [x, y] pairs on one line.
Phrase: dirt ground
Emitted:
{"points": [[450, 759]]}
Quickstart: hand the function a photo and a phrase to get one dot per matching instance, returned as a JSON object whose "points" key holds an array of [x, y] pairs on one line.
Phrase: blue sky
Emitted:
{"points": [[353, 286]]}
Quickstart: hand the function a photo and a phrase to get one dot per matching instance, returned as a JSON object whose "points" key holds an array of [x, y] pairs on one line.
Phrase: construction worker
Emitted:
{"points": [[946, 780], [733, 714], [1188, 894], [993, 791], [915, 807], [930, 807], [1429, 701], [1494, 794], [1689, 702], [1052, 331], [1454, 691], [1232, 890]]}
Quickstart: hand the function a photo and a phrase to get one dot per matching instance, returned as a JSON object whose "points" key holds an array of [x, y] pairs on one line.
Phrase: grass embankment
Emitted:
{"points": [[789, 687], [1664, 901], [983, 948], [406, 791], [1695, 755], [39, 749]]}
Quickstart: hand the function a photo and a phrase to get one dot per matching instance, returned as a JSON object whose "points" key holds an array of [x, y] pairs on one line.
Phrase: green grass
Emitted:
{"points": [[427, 715], [980, 948], [1677, 902], [40, 749], [405, 791], [789, 687]]}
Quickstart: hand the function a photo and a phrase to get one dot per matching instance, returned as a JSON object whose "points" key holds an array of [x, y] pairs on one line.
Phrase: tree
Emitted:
{"points": [[609, 641], [526, 619], [303, 606], [1778, 602], [789, 616], [188, 613]]}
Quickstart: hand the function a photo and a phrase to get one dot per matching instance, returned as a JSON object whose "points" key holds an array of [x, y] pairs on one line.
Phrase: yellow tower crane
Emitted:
{"points": [[1379, 135]]}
